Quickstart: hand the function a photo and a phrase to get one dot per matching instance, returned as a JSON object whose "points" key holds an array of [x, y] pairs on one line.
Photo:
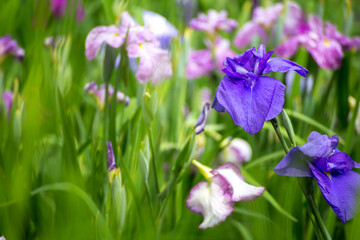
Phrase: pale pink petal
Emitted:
{"points": [[211, 200], [241, 191], [247, 34]]}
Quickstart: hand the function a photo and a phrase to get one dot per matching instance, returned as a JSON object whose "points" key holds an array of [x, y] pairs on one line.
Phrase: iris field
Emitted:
{"points": [[179, 119]]}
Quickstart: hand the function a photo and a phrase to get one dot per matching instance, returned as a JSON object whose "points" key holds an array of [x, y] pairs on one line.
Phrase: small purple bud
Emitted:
{"points": [[110, 157], [8, 98], [200, 124]]}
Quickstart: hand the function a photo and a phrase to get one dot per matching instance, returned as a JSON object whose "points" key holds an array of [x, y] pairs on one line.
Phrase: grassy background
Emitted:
{"points": [[54, 182]]}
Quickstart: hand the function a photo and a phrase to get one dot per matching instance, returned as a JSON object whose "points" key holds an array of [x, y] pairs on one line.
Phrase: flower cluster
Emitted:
{"points": [[9, 46], [202, 62], [214, 198], [331, 168], [100, 94], [154, 64]]}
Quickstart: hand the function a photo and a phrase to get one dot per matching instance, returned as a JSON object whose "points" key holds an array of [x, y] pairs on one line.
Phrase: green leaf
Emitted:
{"points": [[268, 196], [242, 229]]}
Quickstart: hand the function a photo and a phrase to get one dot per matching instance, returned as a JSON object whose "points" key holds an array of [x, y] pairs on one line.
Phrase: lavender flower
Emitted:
{"points": [[2, 238], [199, 63], [249, 97], [331, 168], [237, 152], [200, 124], [222, 51], [263, 19], [325, 45], [212, 22], [100, 94], [110, 157], [8, 98], [215, 198], [160, 27], [154, 63], [9, 46]]}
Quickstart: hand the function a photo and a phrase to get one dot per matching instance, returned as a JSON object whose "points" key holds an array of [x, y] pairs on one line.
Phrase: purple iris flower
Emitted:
{"points": [[110, 157], [9, 46], [155, 62], [214, 199], [213, 21], [324, 44], [331, 168], [200, 124], [249, 97], [8, 98]]}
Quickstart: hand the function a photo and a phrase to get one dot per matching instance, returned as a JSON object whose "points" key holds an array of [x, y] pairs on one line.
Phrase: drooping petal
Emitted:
{"points": [[97, 36], [283, 65], [217, 106], [241, 191], [319, 146], [341, 191], [110, 157], [250, 106], [294, 20], [247, 34], [294, 164], [213, 201], [200, 124], [348, 43]]}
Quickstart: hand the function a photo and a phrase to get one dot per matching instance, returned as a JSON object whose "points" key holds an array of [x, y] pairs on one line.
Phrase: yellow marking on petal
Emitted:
{"points": [[115, 35], [328, 174], [327, 43], [141, 46]]}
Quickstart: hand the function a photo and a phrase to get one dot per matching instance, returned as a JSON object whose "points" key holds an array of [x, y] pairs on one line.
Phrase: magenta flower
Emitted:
{"points": [[331, 168], [9, 46], [100, 94], [325, 45], [110, 157], [213, 21], [58, 7], [8, 98], [154, 64], [199, 63], [249, 97], [263, 19], [214, 199]]}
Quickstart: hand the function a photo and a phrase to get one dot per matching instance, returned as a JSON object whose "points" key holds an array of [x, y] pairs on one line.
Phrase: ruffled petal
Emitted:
{"points": [[319, 146], [294, 164], [213, 201], [251, 106], [283, 65], [341, 191], [97, 36], [247, 34], [241, 191]]}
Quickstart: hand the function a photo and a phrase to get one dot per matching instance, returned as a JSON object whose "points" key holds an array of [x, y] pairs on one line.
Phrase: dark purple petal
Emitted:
{"points": [[341, 191], [110, 157], [319, 146], [294, 164], [217, 106], [200, 124], [283, 65], [340, 163], [250, 106]]}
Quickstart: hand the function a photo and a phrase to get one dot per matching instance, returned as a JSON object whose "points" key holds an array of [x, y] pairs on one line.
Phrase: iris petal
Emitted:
{"points": [[283, 65]]}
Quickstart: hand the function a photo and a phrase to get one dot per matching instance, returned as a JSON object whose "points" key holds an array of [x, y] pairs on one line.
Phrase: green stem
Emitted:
{"points": [[317, 221], [275, 124]]}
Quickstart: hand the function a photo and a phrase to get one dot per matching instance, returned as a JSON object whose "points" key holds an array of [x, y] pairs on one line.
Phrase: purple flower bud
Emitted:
{"points": [[237, 152], [10, 47], [58, 7], [200, 124], [110, 157], [8, 98]]}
